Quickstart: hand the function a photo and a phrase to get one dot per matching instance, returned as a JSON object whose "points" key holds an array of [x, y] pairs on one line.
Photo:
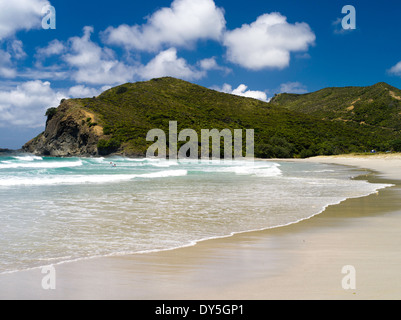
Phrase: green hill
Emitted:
{"points": [[119, 119], [378, 105]]}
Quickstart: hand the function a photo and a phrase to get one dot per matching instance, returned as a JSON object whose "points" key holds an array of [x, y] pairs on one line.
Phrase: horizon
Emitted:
{"points": [[255, 50]]}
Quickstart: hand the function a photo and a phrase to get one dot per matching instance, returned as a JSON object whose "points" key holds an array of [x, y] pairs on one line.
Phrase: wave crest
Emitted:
{"points": [[87, 179]]}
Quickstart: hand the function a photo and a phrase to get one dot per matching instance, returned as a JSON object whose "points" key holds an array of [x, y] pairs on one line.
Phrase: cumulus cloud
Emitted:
{"points": [[182, 24], [396, 70], [208, 64], [166, 63], [26, 104], [81, 91], [16, 49], [211, 64], [6, 68], [86, 62], [267, 42], [54, 47], [94, 64], [242, 90], [13, 52], [19, 15]]}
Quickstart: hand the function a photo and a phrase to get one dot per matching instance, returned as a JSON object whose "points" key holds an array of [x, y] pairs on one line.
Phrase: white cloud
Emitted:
{"points": [[86, 62], [26, 104], [267, 42], [13, 52], [243, 91], [293, 87], [15, 47], [396, 70], [81, 91], [16, 15], [53, 71], [166, 63], [44, 73], [182, 24], [6, 68], [93, 64], [54, 47], [211, 64]]}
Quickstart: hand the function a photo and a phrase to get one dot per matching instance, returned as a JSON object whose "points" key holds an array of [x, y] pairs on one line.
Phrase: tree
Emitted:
{"points": [[396, 145], [50, 113]]}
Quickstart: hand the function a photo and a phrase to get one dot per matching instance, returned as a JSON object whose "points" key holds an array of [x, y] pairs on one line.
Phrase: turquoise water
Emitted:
{"points": [[54, 210]]}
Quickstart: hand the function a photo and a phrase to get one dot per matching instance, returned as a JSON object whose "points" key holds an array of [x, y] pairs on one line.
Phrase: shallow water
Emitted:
{"points": [[55, 210]]}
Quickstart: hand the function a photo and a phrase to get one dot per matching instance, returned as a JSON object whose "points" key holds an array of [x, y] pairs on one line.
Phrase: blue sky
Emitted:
{"points": [[255, 48]]}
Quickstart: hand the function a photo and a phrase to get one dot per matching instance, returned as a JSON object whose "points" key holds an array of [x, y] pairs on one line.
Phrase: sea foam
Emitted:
{"points": [[41, 164], [86, 179], [27, 158]]}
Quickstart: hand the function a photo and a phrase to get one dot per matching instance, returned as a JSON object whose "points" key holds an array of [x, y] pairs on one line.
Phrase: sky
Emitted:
{"points": [[55, 49]]}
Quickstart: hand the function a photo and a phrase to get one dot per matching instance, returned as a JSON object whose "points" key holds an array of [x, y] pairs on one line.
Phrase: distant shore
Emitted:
{"points": [[386, 165], [8, 151], [300, 261]]}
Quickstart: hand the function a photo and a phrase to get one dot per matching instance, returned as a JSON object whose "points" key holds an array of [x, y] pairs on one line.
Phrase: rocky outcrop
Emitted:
{"points": [[6, 151], [70, 131]]}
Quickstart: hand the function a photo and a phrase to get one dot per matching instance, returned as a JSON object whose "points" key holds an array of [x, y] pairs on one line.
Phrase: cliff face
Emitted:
{"points": [[70, 131]]}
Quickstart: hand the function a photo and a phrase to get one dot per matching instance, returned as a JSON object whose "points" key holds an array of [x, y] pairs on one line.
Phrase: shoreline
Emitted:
{"points": [[250, 265]]}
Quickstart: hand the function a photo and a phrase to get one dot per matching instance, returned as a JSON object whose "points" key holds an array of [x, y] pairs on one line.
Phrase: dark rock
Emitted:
{"points": [[66, 134]]}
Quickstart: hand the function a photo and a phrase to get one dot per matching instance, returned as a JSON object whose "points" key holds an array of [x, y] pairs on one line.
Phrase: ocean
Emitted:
{"points": [[57, 210]]}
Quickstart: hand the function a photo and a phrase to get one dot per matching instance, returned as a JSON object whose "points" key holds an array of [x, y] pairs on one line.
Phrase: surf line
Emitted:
{"points": [[190, 150]]}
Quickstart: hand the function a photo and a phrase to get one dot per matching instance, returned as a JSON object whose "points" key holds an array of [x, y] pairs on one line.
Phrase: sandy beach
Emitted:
{"points": [[301, 261]]}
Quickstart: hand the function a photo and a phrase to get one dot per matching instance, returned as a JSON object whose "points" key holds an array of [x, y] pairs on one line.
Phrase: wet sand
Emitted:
{"points": [[301, 261]]}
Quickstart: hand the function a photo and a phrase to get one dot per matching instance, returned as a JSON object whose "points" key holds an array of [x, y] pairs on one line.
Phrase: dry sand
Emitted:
{"points": [[301, 261]]}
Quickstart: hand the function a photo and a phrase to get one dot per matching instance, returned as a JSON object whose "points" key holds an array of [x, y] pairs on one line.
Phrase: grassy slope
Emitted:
{"points": [[129, 111], [377, 105]]}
